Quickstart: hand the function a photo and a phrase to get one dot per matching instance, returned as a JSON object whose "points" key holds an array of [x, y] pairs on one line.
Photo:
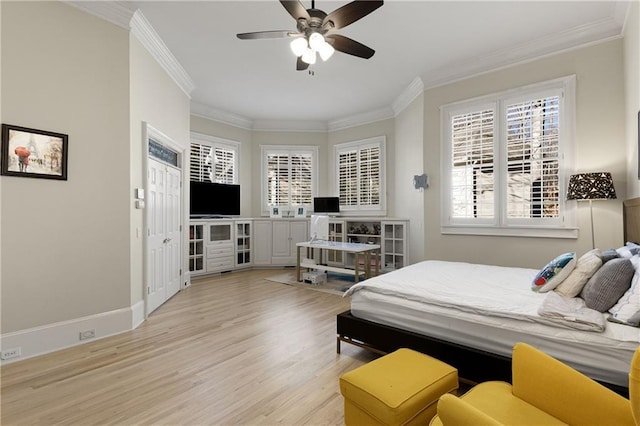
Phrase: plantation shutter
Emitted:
{"points": [[213, 162], [370, 176], [301, 179], [472, 161], [198, 171], [348, 177], [224, 165], [360, 174], [277, 179], [533, 158]]}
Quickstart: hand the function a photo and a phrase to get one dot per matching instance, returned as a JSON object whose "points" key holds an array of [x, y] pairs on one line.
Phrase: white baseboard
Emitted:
{"points": [[65, 334]]}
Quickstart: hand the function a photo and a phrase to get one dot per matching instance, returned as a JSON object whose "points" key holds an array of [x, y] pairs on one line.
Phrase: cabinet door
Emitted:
{"points": [[281, 240], [262, 242], [298, 232]]}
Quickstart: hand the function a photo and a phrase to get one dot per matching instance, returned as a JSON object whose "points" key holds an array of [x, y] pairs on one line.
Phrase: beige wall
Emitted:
{"points": [[65, 243], [409, 162], [158, 101], [632, 91], [600, 124]]}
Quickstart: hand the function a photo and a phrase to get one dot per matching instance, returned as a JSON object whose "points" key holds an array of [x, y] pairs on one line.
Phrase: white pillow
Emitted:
{"points": [[629, 250], [587, 265], [627, 309]]}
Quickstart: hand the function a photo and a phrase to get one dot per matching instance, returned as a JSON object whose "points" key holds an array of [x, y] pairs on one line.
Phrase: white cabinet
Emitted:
{"points": [[285, 234], [391, 235], [262, 242], [337, 234], [243, 243], [394, 245], [196, 248], [220, 246]]}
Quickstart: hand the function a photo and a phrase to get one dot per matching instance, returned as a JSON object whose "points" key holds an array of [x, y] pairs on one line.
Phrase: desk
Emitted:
{"points": [[355, 248]]}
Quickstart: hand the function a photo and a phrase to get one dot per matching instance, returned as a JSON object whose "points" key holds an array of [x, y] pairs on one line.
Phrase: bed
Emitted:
{"points": [[478, 338]]}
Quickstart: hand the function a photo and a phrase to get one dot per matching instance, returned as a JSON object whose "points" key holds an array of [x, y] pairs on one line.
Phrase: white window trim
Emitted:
{"points": [[216, 142], [288, 149], [364, 143], [499, 226]]}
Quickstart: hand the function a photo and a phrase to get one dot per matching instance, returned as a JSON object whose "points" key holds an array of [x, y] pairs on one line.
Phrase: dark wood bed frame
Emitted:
{"points": [[473, 365]]}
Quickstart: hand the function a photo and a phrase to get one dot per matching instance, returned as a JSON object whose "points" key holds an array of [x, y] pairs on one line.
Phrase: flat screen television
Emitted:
{"points": [[326, 205], [214, 199]]}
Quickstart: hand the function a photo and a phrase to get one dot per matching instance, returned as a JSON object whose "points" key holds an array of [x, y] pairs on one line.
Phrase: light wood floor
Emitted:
{"points": [[232, 349]]}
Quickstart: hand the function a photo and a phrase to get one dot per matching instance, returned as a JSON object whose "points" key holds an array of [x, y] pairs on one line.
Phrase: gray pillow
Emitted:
{"points": [[608, 255], [608, 284]]}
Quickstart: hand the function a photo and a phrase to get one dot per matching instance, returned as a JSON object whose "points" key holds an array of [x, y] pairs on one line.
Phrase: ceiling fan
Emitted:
{"points": [[315, 31]]}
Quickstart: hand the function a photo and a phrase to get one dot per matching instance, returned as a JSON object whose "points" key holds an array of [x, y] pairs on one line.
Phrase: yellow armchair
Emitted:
{"points": [[544, 392]]}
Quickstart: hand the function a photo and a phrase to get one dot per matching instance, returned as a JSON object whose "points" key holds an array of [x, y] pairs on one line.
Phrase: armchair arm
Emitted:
{"points": [[455, 411], [563, 392]]}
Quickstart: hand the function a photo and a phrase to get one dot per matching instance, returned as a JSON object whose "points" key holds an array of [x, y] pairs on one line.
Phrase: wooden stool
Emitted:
{"points": [[401, 388]]}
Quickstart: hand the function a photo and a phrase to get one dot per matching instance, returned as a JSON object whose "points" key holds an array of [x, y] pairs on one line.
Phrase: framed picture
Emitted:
{"points": [[33, 153], [275, 211], [301, 211]]}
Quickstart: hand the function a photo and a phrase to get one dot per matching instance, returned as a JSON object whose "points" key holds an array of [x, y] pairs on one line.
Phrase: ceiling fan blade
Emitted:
{"points": [[350, 13], [301, 65], [348, 46], [267, 34], [295, 9]]}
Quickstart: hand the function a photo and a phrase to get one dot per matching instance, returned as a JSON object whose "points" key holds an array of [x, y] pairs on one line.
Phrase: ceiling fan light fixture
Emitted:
{"points": [[316, 40], [309, 56], [298, 46], [326, 50]]}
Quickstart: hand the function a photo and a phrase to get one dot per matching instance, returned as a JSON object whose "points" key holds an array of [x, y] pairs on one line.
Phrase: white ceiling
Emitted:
{"points": [[435, 41]]}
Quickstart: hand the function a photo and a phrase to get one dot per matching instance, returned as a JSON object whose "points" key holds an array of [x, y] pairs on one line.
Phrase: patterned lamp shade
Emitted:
{"points": [[591, 186]]}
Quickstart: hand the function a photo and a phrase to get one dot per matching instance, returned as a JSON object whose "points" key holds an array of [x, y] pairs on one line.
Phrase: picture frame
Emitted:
{"points": [[275, 211], [33, 153], [638, 145], [301, 211]]}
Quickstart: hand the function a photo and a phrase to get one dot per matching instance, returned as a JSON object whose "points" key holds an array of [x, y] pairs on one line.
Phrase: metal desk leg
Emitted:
{"points": [[298, 263], [377, 256], [367, 264], [357, 266]]}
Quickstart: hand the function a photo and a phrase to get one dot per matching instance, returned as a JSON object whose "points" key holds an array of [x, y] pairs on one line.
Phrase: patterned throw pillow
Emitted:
{"points": [[554, 272], [587, 265], [608, 285]]}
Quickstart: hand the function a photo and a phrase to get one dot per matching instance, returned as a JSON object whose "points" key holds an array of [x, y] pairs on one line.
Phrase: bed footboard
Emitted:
{"points": [[473, 365]]}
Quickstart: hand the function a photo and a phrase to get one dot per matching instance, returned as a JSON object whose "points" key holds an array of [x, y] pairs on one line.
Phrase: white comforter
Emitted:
{"points": [[480, 289]]}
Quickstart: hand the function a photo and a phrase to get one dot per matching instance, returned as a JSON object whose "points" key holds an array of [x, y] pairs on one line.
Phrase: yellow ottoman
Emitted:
{"points": [[401, 388]]}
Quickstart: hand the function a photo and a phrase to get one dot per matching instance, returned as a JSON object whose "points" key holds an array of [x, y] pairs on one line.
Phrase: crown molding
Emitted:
{"points": [[144, 32], [289, 126], [108, 10], [408, 95], [595, 32], [360, 119], [211, 113]]}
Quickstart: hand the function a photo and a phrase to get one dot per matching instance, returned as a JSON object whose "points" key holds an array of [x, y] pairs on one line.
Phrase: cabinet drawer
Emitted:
{"points": [[221, 263], [220, 250]]}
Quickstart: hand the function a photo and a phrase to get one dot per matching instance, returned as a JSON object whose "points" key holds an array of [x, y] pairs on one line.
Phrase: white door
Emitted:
{"points": [[163, 233]]}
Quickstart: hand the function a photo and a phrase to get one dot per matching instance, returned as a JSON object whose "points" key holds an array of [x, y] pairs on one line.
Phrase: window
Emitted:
{"points": [[213, 159], [505, 162], [360, 175], [289, 176]]}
